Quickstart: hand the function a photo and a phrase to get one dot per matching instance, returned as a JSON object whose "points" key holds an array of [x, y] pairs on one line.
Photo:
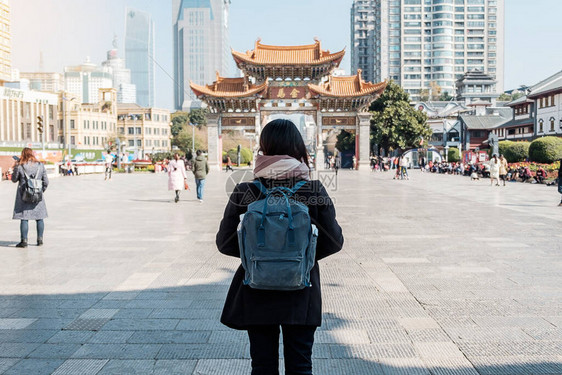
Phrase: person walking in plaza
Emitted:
{"points": [[403, 168], [30, 208], [177, 176], [263, 313], [108, 165], [200, 170], [494, 170], [503, 169], [229, 164]]}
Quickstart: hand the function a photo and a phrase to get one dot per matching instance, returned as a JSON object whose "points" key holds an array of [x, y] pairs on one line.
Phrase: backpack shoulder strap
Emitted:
{"points": [[260, 186], [298, 185]]}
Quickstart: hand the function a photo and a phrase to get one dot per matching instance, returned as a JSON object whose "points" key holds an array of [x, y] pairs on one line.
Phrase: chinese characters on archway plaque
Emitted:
{"points": [[287, 92]]}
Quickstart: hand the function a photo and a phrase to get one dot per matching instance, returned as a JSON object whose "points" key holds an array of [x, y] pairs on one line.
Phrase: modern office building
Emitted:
{"points": [[84, 81], [201, 47], [139, 54], [422, 44], [126, 91], [5, 41]]}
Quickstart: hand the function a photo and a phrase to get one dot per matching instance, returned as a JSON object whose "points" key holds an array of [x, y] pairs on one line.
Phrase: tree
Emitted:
{"points": [[179, 119], [435, 90], [424, 95], [445, 97], [345, 141], [198, 117], [184, 141], [453, 155], [395, 123], [504, 97]]}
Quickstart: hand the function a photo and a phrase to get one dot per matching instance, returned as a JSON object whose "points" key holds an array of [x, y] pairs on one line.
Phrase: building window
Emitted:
{"points": [[131, 143], [541, 124], [138, 130], [552, 124], [131, 131], [72, 126]]}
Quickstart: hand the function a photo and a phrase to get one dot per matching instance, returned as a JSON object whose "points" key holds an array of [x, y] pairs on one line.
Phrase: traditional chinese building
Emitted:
{"points": [[289, 80]]}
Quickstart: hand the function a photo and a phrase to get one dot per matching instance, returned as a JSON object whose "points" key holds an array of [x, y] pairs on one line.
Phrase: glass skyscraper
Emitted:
{"points": [[423, 43], [139, 54], [200, 46]]}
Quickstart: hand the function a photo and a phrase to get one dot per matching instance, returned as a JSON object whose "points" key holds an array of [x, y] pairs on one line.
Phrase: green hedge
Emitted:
{"points": [[517, 152], [502, 147], [453, 155], [545, 150], [246, 155]]}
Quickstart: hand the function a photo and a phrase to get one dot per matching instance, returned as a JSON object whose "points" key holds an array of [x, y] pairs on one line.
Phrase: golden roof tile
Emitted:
{"points": [[347, 86], [310, 54], [229, 88]]}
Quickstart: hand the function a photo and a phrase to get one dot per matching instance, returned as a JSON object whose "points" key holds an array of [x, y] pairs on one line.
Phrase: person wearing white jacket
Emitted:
{"points": [[494, 170], [177, 177]]}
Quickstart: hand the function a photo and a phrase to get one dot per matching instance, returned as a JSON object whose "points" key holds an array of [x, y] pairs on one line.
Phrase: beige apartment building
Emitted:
{"points": [[144, 130], [88, 126], [19, 110]]}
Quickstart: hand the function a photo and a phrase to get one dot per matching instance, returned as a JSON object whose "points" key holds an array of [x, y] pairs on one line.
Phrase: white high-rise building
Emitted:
{"points": [[200, 46], [424, 43], [126, 91], [84, 81]]}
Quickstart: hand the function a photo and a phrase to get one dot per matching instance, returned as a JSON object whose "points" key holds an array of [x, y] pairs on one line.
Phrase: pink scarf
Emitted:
{"points": [[280, 167]]}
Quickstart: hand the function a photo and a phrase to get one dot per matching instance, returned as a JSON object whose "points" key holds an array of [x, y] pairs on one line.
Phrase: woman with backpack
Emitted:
{"points": [[281, 164], [30, 203]]}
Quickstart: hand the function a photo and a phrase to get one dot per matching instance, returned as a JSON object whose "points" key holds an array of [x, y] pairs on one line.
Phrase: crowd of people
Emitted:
{"points": [[475, 171]]}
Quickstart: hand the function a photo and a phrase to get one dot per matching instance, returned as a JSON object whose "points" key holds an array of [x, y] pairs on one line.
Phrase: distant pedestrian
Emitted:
{"points": [[200, 170], [229, 164], [503, 169], [494, 170], [29, 171], [177, 177], [108, 165], [403, 168]]}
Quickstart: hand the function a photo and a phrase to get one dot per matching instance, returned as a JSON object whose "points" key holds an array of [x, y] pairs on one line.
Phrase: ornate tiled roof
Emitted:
{"points": [[229, 88], [347, 86], [311, 54]]}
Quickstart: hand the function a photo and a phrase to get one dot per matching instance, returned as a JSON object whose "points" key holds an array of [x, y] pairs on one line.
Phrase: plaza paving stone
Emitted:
{"points": [[438, 275]]}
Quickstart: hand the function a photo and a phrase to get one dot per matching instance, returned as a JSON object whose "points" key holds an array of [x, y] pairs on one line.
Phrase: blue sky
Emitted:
{"points": [[69, 30]]}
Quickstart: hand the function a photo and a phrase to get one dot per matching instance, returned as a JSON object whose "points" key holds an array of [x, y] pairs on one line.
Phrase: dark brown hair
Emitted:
{"points": [[281, 137], [27, 156]]}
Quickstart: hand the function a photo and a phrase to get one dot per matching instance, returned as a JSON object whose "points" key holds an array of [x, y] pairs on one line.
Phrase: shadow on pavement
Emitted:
{"points": [[176, 330], [8, 243]]}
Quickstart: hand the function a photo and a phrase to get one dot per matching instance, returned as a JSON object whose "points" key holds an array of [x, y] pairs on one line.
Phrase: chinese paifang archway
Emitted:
{"points": [[289, 80]]}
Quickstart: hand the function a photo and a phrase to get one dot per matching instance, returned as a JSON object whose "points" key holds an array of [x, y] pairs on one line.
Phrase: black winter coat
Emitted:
{"points": [[244, 306]]}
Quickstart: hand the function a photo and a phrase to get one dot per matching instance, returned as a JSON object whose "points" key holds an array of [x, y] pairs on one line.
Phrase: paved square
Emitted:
{"points": [[439, 275]]}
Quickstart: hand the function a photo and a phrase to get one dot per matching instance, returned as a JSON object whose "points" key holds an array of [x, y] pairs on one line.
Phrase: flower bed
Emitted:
{"points": [[551, 169]]}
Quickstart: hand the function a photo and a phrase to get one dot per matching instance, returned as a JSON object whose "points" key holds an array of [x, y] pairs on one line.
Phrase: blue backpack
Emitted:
{"points": [[277, 241]]}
